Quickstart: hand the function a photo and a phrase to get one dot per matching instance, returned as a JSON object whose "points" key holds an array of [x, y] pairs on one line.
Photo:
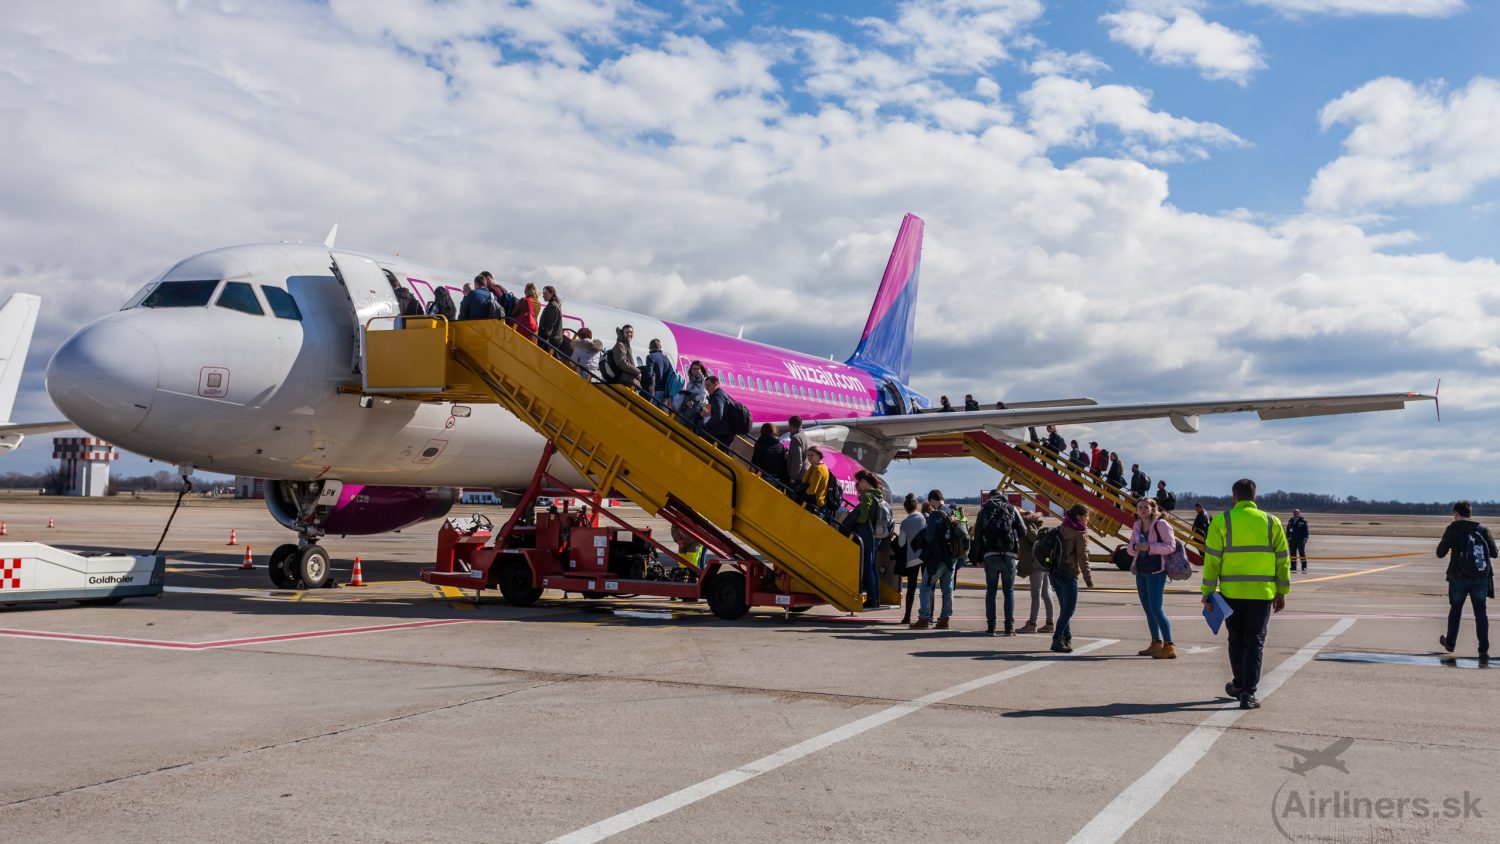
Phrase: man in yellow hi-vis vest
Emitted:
{"points": [[1245, 560]]}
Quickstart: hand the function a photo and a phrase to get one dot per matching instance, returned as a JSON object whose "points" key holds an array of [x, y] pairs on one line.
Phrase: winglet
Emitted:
{"points": [[1436, 404], [333, 234]]}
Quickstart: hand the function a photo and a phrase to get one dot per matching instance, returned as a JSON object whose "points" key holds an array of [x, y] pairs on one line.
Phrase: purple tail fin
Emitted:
{"points": [[885, 346]]}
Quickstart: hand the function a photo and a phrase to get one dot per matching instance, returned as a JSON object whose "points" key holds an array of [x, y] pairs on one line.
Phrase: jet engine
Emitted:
{"points": [[355, 509]]}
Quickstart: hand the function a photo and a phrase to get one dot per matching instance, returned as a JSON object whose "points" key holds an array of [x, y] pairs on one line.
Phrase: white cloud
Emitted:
{"points": [[1187, 39], [1061, 63], [955, 34], [674, 175], [1068, 111], [1409, 145], [1414, 8]]}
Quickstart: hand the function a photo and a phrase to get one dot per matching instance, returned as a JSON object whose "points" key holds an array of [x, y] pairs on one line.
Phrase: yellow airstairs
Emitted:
{"points": [[617, 440]]}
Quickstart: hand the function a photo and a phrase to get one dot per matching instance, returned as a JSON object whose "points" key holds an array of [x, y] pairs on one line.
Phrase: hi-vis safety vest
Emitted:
{"points": [[1245, 555]]}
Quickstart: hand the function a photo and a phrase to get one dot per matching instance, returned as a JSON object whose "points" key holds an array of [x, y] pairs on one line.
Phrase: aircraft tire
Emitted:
{"points": [[726, 595], [280, 567], [515, 584], [311, 567]]}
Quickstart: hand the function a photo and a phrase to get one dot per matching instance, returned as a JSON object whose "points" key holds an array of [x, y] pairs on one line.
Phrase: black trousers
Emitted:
{"points": [[1247, 640]]}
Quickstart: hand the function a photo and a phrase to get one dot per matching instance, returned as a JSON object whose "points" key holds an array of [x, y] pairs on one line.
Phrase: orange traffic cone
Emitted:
{"points": [[358, 577], [248, 558], [49, 522], [3, 531], [231, 538]]}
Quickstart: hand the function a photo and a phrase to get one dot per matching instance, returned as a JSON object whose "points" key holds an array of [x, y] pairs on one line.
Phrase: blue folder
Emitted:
{"points": [[1218, 610]]}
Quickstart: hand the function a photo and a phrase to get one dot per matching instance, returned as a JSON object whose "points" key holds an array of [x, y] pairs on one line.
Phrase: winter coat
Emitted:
{"points": [[1139, 483], [524, 315], [476, 305], [587, 358], [1075, 556], [442, 305], [1458, 532], [796, 455], [657, 367], [549, 327], [815, 484], [624, 361], [770, 457], [1116, 474], [716, 425], [1296, 529]]}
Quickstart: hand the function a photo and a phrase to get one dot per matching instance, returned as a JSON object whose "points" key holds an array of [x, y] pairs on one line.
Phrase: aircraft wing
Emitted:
{"points": [[1184, 415], [34, 427], [1305, 754]]}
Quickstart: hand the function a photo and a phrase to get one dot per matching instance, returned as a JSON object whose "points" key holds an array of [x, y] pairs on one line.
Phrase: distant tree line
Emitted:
{"points": [[54, 480]]}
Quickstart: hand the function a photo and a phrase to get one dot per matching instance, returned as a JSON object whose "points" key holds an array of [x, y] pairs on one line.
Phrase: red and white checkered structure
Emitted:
{"points": [[10, 574], [85, 462]]}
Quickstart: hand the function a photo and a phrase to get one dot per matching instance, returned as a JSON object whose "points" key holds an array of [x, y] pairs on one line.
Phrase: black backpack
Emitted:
{"points": [[736, 416], [607, 368], [1472, 554], [1048, 549], [997, 527], [834, 497], [1169, 501]]}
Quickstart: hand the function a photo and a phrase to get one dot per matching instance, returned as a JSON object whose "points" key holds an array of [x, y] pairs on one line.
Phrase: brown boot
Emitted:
{"points": [[942, 624], [920, 624], [1153, 650], [1168, 651], [1045, 628], [1028, 627]]}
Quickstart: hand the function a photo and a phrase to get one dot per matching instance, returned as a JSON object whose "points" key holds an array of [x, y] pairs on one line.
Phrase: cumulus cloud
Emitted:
{"points": [[1409, 144], [1414, 8], [737, 180], [1185, 38]]}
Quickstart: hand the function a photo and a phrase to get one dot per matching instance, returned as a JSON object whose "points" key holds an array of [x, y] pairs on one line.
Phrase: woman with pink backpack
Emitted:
{"points": [[1151, 542]]}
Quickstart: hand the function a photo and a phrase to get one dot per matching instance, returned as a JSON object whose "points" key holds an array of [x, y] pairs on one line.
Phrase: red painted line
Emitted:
{"points": [[230, 643]]}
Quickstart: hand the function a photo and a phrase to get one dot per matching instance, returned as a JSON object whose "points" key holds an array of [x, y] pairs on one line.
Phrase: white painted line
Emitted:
{"points": [[709, 787], [1135, 801]]}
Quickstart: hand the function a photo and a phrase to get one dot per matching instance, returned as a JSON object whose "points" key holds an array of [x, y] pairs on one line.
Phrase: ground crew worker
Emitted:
{"points": [[1296, 538], [1245, 559]]}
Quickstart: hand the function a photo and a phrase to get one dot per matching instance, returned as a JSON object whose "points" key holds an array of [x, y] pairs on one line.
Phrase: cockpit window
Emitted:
{"points": [[179, 294], [281, 302], [239, 296], [135, 301]]}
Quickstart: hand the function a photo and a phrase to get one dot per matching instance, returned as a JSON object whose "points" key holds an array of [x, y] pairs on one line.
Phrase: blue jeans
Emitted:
{"points": [[869, 574], [1000, 573], [1151, 589], [936, 574], [1474, 590], [1065, 586]]}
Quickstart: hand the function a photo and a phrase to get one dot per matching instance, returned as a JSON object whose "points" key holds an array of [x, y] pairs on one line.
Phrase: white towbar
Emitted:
{"points": [[31, 571]]}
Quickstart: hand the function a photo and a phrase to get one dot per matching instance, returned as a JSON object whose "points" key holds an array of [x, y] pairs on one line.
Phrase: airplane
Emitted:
{"points": [[1311, 760], [233, 361], [17, 321]]}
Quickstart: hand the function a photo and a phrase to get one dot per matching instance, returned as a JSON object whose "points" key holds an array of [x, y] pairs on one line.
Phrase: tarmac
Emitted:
{"points": [[230, 710]]}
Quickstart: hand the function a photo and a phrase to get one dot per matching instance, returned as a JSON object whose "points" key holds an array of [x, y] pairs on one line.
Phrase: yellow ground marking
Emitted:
{"points": [[1349, 574], [456, 597]]}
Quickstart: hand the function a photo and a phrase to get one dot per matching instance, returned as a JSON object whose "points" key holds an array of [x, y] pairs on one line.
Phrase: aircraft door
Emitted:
{"points": [[369, 291], [890, 396]]}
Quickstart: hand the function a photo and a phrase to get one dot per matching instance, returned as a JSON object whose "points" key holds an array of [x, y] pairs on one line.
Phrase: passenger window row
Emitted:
{"points": [[734, 380]]}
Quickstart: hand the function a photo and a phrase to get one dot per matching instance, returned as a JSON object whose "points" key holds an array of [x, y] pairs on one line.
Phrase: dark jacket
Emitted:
{"points": [[477, 304], [1458, 532], [1139, 483], [1116, 475], [796, 456], [1200, 523], [624, 361], [971, 404], [1056, 442], [1297, 530], [409, 304], [998, 509], [442, 304], [549, 327], [934, 549], [1026, 560], [654, 377], [770, 458], [716, 426]]}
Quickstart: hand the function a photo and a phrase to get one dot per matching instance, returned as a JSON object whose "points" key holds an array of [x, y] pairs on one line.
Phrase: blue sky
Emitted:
{"points": [[1132, 200]]}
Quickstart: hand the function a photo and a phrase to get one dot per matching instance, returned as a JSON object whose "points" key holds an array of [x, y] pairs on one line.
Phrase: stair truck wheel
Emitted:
{"points": [[280, 567], [311, 567], [726, 595], [594, 596], [515, 583]]}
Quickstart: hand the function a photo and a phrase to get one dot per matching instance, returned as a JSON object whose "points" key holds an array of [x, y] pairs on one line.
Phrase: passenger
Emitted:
{"points": [[583, 347], [1471, 575], [1200, 521], [1151, 540], [814, 480], [622, 358], [716, 421], [770, 456], [863, 522], [1074, 563], [997, 537], [549, 327], [1055, 440], [657, 374], [593, 356], [505, 301], [442, 303], [526, 310], [999, 405], [1098, 460], [908, 561], [1254, 583], [1026, 567], [946, 407], [797, 447], [1166, 500], [1297, 533], [914, 409], [1116, 477], [1140, 482], [408, 304], [1075, 456], [970, 403], [693, 395], [478, 302], [937, 564]]}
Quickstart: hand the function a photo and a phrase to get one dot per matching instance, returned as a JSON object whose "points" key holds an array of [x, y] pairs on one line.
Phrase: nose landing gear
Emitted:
{"points": [[300, 566], [302, 506]]}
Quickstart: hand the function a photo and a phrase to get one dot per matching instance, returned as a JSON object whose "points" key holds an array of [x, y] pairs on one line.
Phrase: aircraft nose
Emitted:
{"points": [[104, 378]]}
